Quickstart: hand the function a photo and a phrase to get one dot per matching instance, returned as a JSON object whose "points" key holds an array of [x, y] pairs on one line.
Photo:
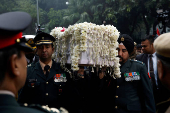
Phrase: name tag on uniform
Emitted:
{"points": [[60, 77], [132, 76], [32, 80]]}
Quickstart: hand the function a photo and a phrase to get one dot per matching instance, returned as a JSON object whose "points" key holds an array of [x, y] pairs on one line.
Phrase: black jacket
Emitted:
{"points": [[160, 94], [129, 96], [41, 90], [8, 104]]}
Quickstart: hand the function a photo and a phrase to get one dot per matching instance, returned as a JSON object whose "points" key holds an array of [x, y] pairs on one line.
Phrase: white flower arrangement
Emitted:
{"points": [[99, 42]]}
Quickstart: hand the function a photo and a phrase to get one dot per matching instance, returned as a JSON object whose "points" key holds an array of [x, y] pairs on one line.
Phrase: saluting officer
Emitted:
{"points": [[132, 93], [46, 81], [13, 62]]}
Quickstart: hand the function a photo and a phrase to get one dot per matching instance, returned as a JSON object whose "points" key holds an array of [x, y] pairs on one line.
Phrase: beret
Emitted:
{"points": [[162, 45], [127, 42], [43, 38], [11, 26]]}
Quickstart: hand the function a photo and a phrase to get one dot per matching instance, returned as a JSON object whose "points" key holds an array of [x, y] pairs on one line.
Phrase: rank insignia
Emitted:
{"points": [[122, 39], [132, 76], [30, 41]]}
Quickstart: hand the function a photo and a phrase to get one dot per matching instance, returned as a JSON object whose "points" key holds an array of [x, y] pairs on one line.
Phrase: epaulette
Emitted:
{"points": [[163, 106], [28, 65], [45, 108], [137, 61], [31, 65], [30, 68]]}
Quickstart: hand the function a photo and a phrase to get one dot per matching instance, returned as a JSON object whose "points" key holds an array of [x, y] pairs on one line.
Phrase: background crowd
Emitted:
{"points": [[32, 81]]}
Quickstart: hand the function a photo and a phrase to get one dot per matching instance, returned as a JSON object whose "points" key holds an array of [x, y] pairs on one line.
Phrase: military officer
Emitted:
{"points": [[13, 63], [132, 93], [46, 82], [162, 48], [30, 56]]}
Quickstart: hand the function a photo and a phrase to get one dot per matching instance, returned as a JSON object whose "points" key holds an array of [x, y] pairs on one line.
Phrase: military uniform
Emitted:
{"points": [[12, 44], [41, 90], [132, 93], [163, 107], [8, 104]]}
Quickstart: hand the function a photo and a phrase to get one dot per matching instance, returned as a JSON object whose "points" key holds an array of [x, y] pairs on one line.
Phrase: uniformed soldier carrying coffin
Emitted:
{"points": [[132, 93], [46, 82], [13, 63]]}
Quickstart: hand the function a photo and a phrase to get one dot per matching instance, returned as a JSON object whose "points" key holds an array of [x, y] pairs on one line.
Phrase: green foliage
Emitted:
{"points": [[134, 17], [55, 18], [7, 5]]}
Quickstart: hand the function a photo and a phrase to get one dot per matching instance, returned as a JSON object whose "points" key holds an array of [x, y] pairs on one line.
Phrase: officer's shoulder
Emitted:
{"points": [[57, 64], [137, 62], [163, 106], [45, 109], [32, 65]]}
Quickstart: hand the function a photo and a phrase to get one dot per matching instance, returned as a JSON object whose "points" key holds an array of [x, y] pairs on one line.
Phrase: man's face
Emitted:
{"points": [[147, 47], [139, 50], [122, 54], [45, 52]]}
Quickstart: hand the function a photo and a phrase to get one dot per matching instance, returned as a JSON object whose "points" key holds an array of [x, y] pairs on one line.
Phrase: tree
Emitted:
{"points": [[133, 17], [55, 18]]}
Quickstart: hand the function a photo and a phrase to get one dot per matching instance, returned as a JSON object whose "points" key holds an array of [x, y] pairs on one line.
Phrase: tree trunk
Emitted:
{"points": [[146, 24]]}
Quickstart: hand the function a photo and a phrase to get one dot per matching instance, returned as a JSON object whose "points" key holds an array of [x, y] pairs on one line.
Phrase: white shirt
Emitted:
{"points": [[154, 59], [7, 92]]}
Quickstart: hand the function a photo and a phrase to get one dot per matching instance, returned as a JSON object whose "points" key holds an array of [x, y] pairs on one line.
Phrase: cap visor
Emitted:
{"points": [[25, 47]]}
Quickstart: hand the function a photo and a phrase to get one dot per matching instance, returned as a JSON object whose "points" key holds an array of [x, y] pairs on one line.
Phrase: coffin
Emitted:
{"points": [[87, 44]]}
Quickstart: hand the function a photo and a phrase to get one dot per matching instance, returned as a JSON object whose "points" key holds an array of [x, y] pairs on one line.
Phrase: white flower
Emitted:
{"points": [[99, 40]]}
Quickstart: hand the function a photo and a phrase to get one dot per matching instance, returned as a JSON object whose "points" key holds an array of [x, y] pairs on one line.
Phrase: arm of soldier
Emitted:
{"points": [[147, 94]]}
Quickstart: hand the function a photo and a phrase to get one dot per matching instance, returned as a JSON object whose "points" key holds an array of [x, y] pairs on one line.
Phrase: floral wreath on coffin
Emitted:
{"points": [[98, 41]]}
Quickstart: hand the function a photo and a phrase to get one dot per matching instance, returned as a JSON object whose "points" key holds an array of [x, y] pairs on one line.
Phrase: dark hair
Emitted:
{"points": [[139, 46], [151, 38], [5, 54]]}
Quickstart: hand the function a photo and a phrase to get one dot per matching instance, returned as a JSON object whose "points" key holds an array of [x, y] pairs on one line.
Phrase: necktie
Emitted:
{"points": [[152, 71], [46, 68]]}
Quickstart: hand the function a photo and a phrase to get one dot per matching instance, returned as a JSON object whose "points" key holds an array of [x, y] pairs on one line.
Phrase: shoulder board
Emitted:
{"points": [[31, 65], [28, 65], [45, 109], [137, 61]]}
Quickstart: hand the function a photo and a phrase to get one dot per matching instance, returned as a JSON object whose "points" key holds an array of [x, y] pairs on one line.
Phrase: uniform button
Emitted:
{"points": [[46, 94], [115, 107], [46, 82], [32, 86], [117, 86], [25, 104], [116, 96]]}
